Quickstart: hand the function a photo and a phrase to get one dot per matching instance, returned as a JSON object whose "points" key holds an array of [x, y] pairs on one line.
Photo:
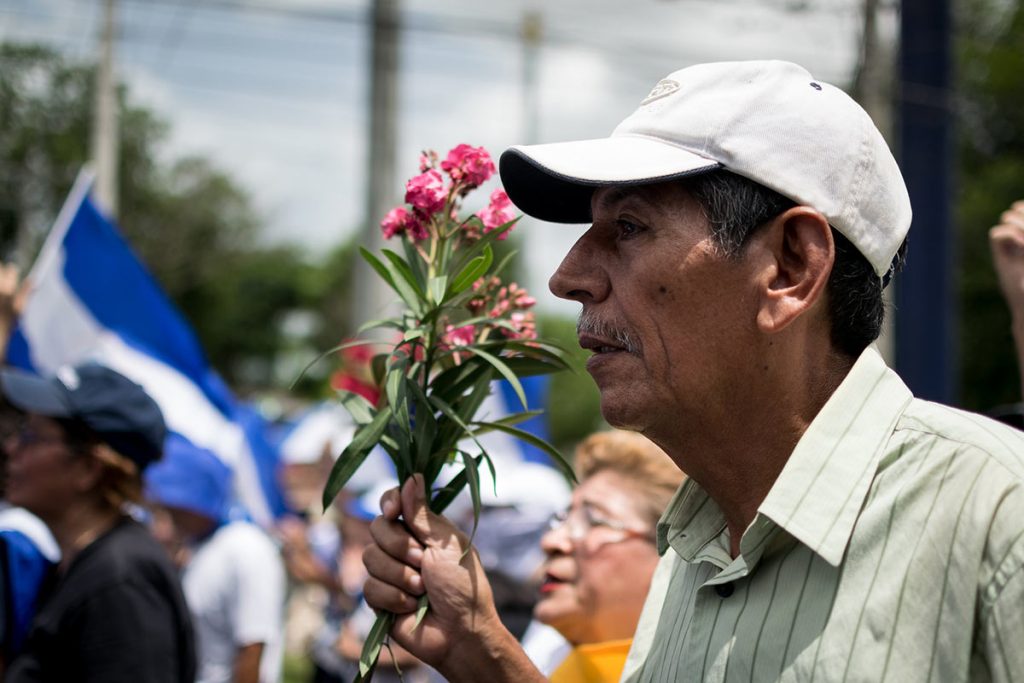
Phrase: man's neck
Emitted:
{"points": [[737, 457]]}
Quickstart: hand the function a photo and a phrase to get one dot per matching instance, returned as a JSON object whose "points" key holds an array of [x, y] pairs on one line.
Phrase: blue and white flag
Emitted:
{"points": [[92, 300]]}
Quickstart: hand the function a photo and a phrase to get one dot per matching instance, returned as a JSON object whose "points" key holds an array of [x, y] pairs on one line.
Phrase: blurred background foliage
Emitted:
{"points": [[264, 312], [990, 122]]}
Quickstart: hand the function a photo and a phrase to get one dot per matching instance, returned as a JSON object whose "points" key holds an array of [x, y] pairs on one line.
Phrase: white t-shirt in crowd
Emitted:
{"points": [[235, 588]]}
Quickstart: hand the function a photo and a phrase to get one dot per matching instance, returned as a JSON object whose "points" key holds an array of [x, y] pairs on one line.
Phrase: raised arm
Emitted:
{"points": [[13, 293], [461, 635], [1007, 242]]}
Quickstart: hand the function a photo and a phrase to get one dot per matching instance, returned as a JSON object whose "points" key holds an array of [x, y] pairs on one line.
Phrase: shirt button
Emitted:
{"points": [[724, 590]]}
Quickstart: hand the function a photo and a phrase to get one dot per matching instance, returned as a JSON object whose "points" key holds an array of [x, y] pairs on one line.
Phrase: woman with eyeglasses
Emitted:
{"points": [[601, 552]]}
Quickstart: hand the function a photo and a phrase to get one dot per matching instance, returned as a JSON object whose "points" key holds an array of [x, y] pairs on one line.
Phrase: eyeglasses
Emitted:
{"points": [[24, 435], [581, 521]]}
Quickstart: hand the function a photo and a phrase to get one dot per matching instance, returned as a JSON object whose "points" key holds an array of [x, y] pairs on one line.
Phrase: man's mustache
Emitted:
{"points": [[591, 325]]}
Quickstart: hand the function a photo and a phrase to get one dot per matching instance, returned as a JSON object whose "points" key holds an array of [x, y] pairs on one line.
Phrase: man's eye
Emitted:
{"points": [[628, 228]]}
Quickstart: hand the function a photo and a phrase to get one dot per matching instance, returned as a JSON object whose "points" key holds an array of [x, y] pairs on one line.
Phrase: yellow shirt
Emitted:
{"points": [[593, 663]]}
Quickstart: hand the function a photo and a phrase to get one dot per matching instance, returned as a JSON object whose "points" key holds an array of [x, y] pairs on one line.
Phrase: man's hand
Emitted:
{"points": [[461, 634], [1007, 242]]}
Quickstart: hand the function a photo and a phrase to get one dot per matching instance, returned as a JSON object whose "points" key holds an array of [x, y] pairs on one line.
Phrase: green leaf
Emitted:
{"points": [[393, 323], [358, 407], [371, 646], [412, 334], [528, 367], [402, 282], [494, 475], [481, 244], [473, 271], [455, 428], [503, 263], [437, 286], [379, 366], [376, 264], [500, 366], [421, 611], [529, 438], [452, 415], [511, 420], [366, 437], [415, 260], [404, 271], [394, 388], [453, 382], [425, 429], [444, 496], [328, 352], [473, 477]]}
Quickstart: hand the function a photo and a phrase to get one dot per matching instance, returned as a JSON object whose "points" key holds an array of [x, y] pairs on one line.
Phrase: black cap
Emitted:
{"points": [[115, 408]]}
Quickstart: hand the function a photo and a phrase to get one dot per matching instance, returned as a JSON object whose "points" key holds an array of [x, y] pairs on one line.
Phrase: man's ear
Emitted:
{"points": [[795, 256]]}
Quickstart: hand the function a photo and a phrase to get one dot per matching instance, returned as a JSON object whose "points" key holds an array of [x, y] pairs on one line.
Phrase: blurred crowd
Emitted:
{"points": [[125, 557]]}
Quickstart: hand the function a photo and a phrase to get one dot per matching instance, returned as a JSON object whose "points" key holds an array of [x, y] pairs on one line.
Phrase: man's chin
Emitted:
{"points": [[623, 414]]}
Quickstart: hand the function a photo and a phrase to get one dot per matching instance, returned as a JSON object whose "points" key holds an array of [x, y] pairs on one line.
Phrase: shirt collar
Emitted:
{"points": [[821, 489]]}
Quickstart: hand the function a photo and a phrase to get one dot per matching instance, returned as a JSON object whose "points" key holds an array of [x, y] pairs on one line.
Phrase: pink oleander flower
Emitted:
{"points": [[497, 213], [428, 160], [468, 166], [525, 327], [418, 229], [395, 222], [426, 192], [459, 336], [518, 296], [399, 220]]}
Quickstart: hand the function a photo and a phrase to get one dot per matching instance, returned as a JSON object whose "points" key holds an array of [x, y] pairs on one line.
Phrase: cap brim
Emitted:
{"points": [[554, 182], [34, 394]]}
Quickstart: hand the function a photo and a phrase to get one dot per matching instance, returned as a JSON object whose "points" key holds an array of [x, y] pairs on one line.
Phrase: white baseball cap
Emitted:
{"points": [[769, 121]]}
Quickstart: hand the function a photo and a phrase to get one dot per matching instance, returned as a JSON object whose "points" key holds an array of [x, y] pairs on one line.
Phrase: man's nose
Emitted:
{"points": [[581, 276]]}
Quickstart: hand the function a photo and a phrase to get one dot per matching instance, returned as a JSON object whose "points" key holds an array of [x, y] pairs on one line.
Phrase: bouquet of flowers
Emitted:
{"points": [[459, 329]]}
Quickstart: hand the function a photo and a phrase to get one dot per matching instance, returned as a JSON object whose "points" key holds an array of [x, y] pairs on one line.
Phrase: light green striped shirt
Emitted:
{"points": [[890, 548]]}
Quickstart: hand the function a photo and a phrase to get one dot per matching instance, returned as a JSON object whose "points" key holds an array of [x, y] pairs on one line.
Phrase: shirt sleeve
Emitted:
{"points": [[1002, 631], [258, 606]]}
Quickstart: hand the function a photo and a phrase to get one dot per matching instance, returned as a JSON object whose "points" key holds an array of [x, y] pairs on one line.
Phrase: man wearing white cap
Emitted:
{"points": [[745, 220]]}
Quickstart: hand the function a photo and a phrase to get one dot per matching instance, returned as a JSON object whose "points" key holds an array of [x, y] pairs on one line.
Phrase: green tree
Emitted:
{"points": [[193, 226], [990, 59]]}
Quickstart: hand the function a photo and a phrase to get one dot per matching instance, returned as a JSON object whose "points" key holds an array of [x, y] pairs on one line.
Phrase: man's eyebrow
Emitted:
{"points": [[615, 195], [620, 193]]}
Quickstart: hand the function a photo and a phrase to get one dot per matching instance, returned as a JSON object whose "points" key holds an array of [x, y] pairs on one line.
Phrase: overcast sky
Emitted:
{"points": [[274, 91]]}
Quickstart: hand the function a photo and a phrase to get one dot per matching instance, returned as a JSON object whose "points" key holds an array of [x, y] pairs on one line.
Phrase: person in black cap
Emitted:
{"points": [[113, 609]]}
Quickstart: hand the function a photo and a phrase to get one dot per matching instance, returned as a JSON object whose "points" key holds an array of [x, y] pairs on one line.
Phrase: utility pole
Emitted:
{"points": [[105, 142], [531, 34], [926, 355], [372, 295], [872, 88]]}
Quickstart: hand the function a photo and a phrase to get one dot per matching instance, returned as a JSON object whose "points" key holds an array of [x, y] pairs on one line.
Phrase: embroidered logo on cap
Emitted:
{"points": [[664, 88], [68, 377]]}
